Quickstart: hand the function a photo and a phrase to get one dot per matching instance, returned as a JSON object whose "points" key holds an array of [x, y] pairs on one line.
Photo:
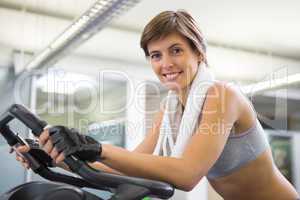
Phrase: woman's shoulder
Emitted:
{"points": [[232, 99], [222, 89], [225, 96]]}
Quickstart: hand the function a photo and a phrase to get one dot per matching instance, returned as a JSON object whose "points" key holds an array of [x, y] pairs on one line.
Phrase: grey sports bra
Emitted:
{"points": [[240, 150]]}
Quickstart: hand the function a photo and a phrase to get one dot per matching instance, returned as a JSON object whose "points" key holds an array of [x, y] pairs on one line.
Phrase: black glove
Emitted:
{"points": [[70, 142], [40, 155]]}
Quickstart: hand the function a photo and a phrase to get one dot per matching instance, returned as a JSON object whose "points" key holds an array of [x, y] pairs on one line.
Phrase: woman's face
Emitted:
{"points": [[174, 61]]}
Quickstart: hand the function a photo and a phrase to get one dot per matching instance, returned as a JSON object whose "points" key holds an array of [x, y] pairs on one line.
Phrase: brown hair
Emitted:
{"points": [[174, 21]]}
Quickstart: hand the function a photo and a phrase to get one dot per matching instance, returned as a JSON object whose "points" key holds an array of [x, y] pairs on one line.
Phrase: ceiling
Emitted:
{"points": [[261, 26], [263, 35], [269, 26], [264, 29]]}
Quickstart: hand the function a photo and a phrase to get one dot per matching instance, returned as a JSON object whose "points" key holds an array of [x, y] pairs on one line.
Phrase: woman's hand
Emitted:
{"points": [[60, 142], [47, 145], [21, 149]]}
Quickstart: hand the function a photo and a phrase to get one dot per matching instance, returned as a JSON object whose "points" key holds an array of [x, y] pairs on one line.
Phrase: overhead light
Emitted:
{"points": [[83, 28], [285, 93], [38, 58], [101, 4], [269, 85]]}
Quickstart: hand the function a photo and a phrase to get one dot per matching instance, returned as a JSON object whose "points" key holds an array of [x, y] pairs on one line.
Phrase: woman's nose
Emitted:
{"points": [[166, 61]]}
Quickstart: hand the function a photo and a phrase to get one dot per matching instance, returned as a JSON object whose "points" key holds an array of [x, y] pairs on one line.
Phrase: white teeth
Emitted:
{"points": [[172, 76]]}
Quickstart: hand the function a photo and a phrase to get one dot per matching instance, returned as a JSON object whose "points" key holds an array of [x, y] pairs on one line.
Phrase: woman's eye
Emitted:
{"points": [[155, 56], [176, 50]]}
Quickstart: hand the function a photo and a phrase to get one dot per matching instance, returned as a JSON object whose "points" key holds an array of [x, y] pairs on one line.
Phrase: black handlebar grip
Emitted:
{"points": [[8, 135], [14, 141], [29, 119]]}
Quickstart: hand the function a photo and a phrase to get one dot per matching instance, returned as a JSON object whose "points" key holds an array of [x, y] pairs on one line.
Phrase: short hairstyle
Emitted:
{"points": [[168, 22]]}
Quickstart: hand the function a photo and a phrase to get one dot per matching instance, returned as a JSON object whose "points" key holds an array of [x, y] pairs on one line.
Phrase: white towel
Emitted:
{"points": [[174, 136]]}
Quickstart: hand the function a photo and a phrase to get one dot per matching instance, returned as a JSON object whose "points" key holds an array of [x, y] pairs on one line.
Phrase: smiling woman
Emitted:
{"points": [[174, 22], [175, 48], [174, 61], [206, 127]]}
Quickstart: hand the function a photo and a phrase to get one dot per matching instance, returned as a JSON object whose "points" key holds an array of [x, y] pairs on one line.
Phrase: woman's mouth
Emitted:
{"points": [[171, 76]]}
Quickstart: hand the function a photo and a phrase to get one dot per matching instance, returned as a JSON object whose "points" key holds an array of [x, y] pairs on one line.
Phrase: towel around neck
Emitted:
{"points": [[177, 125]]}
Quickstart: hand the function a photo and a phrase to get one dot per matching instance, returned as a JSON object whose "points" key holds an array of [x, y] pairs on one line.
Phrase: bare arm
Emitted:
{"points": [[220, 111], [102, 167], [146, 146]]}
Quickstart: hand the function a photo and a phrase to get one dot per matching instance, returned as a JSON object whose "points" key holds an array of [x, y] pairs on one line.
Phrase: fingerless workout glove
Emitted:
{"points": [[71, 142], [41, 156]]}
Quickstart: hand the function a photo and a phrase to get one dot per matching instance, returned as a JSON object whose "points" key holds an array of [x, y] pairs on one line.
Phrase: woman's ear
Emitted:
{"points": [[200, 58]]}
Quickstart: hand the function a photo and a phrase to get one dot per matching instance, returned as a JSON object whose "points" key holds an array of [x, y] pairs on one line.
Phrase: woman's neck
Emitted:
{"points": [[183, 95]]}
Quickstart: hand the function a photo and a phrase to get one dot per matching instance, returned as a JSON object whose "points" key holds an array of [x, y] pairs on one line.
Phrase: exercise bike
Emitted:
{"points": [[63, 186]]}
